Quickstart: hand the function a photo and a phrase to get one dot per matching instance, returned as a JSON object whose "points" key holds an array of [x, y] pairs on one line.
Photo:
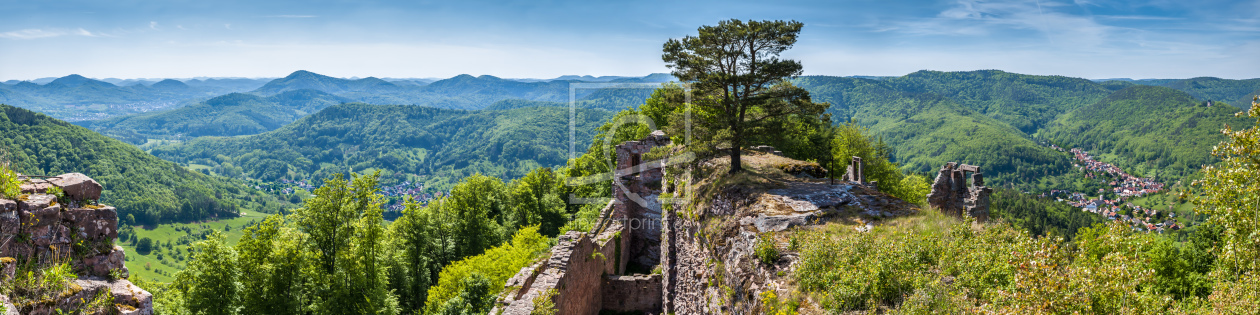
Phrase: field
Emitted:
{"points": [[173, 257]]}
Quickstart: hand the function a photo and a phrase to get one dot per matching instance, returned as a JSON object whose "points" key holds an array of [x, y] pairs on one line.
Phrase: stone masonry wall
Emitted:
{"points": [[636, 188], [951, 194], [631, 293], [585, 269]]}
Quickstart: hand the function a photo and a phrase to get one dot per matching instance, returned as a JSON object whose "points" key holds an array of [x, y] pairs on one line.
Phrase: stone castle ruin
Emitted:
{"points": [[589, 272], [40, 228], [640, 259], [951, 194]]}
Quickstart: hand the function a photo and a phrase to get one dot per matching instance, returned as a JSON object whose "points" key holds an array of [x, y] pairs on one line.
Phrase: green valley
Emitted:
{"points": [[1155, 131], [146, 189]]}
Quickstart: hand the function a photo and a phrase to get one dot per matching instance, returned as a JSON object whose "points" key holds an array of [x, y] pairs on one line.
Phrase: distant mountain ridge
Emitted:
{"points": [[423, 144], [228, 115], [77, 98]]}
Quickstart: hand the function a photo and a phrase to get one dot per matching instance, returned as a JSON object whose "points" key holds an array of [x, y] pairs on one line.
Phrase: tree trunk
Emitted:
{"points": [[736, 143]]}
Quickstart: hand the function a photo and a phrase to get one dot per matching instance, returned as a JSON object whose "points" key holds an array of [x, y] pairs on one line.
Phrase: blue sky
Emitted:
{"points": [[544, 39]]}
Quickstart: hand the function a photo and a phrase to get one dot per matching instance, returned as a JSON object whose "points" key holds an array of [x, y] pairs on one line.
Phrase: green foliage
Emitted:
{"points": [[34, 285], [537, 201], [144, 246], [852, 140], [496, 265], [931, 263], [475, 297], [9, 182], [545, 304], [209, 283], [1040, 216], [273, 262], [772, 305], [1230, 195], [347, 235], [1217, 89], [766, 250], [739, 82], [138, 184]]}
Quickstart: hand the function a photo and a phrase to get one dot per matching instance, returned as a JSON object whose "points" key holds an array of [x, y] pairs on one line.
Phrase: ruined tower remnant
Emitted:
{"points": [[856, 173], [637, 187], [951, 195]]}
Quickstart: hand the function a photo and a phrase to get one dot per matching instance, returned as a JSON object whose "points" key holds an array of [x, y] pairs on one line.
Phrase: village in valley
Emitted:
{"points": [[1116, 204]]}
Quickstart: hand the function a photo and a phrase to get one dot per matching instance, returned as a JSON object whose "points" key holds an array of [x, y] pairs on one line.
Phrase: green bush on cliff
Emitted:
{"points": [[496, 265]]}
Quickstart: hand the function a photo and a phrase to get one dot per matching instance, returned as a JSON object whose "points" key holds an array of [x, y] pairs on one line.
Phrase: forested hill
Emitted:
{"points": [[139, 184], [927, 130], [1023, 101], [1217, 89], [431, 145], [459, 92], [1158, 132], [227, 115]]}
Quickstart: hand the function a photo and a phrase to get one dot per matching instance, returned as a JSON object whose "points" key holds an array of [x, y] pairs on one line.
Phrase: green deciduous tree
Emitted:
{"points": [[739, 82], [1231, 196], [272, 258], [346, 233], [536, 200], [209, 282]]}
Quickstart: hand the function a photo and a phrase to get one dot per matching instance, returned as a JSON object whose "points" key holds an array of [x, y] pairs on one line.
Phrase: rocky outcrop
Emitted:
{"points": [[43, 229], [702, 257], [952, 195], [709, 260]]}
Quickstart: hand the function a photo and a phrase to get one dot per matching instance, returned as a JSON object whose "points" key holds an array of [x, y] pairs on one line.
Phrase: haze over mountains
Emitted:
{"points": [[990, 118]]}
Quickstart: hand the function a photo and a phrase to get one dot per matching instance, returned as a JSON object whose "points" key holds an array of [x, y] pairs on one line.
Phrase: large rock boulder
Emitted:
{"points": [[78, 186]]}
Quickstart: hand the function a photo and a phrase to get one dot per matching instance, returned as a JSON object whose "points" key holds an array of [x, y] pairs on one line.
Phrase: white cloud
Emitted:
{"points": [[34, 33], [83, 32], [153, 25], [31, 33]]}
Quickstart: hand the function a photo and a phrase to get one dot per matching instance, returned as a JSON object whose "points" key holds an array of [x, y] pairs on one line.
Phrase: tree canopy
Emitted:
{"points": [[735, 71]]}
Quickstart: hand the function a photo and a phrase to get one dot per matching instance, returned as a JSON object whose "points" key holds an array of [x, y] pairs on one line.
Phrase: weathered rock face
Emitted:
{"points": [[712, 268], [39, 227], [705, 262], [951, 194], [78, 186]]}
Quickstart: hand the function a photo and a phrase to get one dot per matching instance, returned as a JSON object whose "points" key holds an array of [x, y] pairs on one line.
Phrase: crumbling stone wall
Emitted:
{"points": [[575, 270], [45, 229], [636, 188], [631, 293], [952, 195], [585, 269]]}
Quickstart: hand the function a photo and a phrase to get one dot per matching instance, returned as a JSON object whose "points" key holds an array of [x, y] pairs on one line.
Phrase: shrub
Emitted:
{"points": [[496, 265], [9, 182], [145, 246], [765, 250]]}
